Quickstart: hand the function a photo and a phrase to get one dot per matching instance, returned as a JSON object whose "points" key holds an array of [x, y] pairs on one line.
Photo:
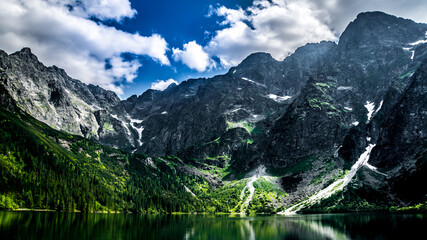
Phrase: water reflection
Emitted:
{"points": [[48, 225]]}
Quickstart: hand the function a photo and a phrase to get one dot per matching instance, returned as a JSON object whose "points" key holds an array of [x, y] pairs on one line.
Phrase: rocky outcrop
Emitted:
{"points": [[50, 95], [314, 123]]}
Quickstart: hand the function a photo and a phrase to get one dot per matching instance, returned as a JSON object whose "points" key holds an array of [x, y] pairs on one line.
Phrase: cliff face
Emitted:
{"points": [[50, 95]]}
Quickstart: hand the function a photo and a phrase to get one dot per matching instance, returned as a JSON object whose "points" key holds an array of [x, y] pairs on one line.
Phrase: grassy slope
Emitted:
{"points": [[44, 168]]}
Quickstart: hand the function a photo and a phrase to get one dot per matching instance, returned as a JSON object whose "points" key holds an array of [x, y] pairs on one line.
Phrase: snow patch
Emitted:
{"points": [[234, 71], [252, 81], [379, 107], [355, 123], [348, 108], [372, 168], [126, 128], [136, 121], [370, 107], [249, 80], [368, 139], [188, 190], [336, 151], [163, 113], [279, 98], [149, 162], [418, 42], [412, 51], [340, 88], [235, 110], [123, 124], [138, 129]]}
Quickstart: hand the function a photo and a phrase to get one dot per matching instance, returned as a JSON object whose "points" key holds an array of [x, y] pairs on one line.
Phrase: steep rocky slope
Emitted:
{"points": [[50, 95], [200, 110], [401, 149]]}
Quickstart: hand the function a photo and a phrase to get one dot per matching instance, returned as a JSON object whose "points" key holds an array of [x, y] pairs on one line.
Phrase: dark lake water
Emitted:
{"points": [[49, 225]]}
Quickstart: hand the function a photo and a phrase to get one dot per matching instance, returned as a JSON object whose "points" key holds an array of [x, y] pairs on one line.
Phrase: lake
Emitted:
{"points": [[52, 225]]}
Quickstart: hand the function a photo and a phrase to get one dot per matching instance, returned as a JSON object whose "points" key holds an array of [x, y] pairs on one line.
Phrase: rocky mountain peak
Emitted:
{"points": [[26, 54], [313, 49], [378, 28], [256, 58]]}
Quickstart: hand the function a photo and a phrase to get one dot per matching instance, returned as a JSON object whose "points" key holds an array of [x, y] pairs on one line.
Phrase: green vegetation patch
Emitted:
{"points": [[248, 126], [325, 85], [108, 127]]}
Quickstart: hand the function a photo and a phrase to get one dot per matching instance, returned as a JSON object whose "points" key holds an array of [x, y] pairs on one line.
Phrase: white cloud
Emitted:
{"points": [[276, 26], [127, 70], [162, 85], [193, 56], [231, 15], [70, 41], [101, 9], [109, 9], [279, 26], [338, 13]]}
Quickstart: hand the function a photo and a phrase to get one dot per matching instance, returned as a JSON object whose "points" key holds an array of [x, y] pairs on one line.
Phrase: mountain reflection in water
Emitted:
{"points": [[50, 225]]}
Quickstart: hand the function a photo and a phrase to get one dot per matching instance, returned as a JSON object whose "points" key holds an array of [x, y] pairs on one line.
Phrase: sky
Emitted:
{"points": [[129, 46]]}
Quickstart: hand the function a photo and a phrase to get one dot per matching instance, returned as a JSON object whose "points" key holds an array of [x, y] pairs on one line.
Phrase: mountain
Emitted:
{"points": [[330, 127], [257, 88], [50, 95]]}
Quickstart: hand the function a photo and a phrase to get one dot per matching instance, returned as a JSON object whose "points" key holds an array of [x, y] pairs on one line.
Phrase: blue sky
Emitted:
{"points": [[128, 46], [178, 22]]}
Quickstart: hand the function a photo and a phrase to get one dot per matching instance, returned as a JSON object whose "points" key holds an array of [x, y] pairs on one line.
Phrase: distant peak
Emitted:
{"points": [[171, 86], [26, 51], [378, 18], [372, 14], [373, 28], [259, 55], [256, 58]]}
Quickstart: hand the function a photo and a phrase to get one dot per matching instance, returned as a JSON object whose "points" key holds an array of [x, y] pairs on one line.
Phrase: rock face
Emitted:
{"points": [[314, 123], [369, 68], [201, 110], [50, 95], [402, 143]]}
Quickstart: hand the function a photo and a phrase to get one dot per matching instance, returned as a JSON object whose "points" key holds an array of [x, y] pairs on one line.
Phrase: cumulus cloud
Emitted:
{"points": [[109, 9], [162, 85], [279, 26], [101, 9], [230, 15], [193, 56], [273, 26], [59, 34]]}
